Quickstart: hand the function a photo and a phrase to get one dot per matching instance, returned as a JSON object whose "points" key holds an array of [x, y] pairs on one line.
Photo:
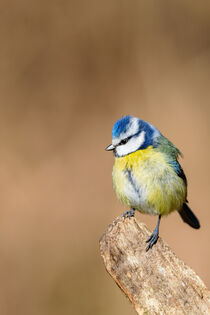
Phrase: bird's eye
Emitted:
{"points": [[124, 141]]}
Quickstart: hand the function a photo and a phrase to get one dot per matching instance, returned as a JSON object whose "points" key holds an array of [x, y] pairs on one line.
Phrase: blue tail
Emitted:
{"points": [[188, 216]]}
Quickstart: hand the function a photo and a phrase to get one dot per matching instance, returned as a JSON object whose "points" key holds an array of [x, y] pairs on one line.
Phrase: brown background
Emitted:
{"points": [[68, 70]]}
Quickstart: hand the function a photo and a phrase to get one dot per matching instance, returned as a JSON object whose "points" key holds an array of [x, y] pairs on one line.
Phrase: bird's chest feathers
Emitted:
{"points": [[139, 162], [146, 181]]}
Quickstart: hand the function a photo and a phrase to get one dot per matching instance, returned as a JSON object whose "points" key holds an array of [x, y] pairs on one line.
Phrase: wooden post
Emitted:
{"points": [[156, 282]]}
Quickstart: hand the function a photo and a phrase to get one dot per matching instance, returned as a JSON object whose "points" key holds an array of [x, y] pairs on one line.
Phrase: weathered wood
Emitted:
{"points": [[156, 282]]}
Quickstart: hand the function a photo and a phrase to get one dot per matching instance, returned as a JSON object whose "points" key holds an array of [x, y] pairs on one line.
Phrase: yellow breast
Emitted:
{"points": [[145, 181]]}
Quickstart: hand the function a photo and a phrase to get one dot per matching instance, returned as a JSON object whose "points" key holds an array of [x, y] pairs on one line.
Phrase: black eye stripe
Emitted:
{"points": [[124, 141]]}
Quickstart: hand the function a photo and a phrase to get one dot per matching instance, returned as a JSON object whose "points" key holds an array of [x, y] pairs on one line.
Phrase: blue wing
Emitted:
{"points": [[178, 169]]}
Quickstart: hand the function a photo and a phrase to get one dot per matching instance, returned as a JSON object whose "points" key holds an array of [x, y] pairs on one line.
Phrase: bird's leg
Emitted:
{"points": [[152, 240], [129, 214]]}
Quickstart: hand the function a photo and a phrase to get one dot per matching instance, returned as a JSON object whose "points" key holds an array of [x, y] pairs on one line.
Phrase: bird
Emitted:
{"points": [[147, 175]]}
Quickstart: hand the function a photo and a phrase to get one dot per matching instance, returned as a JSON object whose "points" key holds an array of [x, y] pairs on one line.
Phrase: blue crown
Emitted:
{"points": [[121, 126]]}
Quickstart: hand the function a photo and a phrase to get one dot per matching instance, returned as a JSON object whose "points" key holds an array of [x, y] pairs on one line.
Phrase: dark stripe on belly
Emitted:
{"points": [[133, 183]]}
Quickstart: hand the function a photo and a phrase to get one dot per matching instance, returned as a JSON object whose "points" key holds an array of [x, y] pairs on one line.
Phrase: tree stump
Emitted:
{"points": [[157, 281]]}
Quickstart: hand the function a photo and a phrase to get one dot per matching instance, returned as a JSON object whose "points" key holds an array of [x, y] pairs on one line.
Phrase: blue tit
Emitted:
{"points": [[146, 174]]}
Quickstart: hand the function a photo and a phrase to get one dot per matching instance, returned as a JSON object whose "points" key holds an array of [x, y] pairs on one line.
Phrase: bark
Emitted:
{"points": [[157, 281]]}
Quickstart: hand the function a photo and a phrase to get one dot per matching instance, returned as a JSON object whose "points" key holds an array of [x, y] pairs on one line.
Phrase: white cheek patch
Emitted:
{"points": [[132, 145]]}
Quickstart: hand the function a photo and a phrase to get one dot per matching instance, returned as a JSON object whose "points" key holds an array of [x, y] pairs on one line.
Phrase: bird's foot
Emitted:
{"points": [[152, 240], [129, 214]]}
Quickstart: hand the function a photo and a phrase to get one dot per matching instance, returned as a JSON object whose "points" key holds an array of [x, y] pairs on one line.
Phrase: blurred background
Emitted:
{"points": [[68, 71]]}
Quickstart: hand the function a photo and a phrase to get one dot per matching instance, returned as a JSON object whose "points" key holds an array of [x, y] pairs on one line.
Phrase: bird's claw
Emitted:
{"points": [[129, 214], [152, 240]]}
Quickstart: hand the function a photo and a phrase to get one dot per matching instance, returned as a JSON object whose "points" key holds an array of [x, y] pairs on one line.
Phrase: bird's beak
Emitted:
{"points": [[110, 147]]}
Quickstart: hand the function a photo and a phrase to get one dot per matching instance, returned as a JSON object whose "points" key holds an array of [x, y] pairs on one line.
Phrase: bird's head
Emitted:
{"points": [[130, 134]]}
